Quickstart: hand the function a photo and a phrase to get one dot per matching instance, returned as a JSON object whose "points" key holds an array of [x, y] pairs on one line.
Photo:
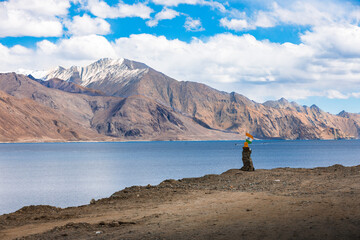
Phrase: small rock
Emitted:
{"points": [[92, 201], [98, 232], [113, 224]]}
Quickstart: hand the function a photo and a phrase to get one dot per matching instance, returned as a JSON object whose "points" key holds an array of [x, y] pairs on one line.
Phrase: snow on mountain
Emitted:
{"points": [[102, 71], [35, 74]]}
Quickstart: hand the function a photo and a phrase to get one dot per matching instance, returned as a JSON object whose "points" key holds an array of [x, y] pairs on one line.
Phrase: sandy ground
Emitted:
{"points": [[285, 203]]}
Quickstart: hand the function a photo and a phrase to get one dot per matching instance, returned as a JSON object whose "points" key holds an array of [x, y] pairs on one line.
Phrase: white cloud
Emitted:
{"points": [[80, 47], [308, 12], [235, 24], [302, 13], [175, 2], [224, 59], [86, 25], [32, 18], [20, 50], [77, 50], [193, 25], [334, 94], [46, 47], [165, 13], [239, 21], [264, 20], [355, 94], [211, 3], [48, 8], [101, 9], [336, 41]]}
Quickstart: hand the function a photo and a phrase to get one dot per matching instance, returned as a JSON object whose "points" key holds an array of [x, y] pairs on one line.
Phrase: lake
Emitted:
{"points": [[71, 174]]}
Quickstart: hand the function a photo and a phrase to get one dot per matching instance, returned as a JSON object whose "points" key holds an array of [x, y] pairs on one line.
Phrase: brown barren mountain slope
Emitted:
{"points": [[26, 120], [74, 106], [140, 117], [353, 118], [136, 117]]}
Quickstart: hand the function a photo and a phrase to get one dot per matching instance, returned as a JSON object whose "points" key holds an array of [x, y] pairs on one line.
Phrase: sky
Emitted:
{"points": [[305, 51]]}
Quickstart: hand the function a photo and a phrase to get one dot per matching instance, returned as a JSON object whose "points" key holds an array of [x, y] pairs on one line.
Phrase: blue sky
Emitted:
{"points": [[306, 51]]}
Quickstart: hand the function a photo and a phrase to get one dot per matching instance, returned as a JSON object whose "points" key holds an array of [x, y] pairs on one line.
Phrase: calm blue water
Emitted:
{"points": [[70, 174]]}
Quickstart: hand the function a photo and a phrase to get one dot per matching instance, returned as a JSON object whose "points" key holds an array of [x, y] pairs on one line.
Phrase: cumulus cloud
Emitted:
{"points": [[48, 8], [165, 13], [236, 24], [335, 94], [336, 41], [213, 4], [175, 2], [32, 18], [77, 50], [302, 13], [224, 57], [309, 12], [355, 94], [101, 9], [86, 25], [193, 25]]}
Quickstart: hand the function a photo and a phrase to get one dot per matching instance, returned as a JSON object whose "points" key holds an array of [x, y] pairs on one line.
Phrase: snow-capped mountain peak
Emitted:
{"points": [[102, 71], [34, 73]]}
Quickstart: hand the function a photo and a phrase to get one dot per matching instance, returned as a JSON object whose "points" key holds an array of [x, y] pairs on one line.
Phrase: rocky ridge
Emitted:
{"points": [[108, 117], [211, 108]]}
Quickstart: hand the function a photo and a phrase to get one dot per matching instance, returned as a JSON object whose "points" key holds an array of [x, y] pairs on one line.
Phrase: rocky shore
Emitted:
{"points": [[283, 203]]}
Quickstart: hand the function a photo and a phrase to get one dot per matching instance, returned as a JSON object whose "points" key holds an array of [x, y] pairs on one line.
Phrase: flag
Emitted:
{"points": [[249, 138]]}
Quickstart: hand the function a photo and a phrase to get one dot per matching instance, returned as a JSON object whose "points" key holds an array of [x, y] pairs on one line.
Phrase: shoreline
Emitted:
{"points": [[179, 207], [144, 186], [126, 141], [221, 140]]}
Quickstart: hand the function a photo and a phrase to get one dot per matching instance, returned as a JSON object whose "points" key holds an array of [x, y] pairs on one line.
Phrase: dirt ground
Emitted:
{"points": [[283, 203]]}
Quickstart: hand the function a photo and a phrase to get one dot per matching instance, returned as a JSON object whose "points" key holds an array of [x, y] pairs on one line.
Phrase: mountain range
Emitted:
{"points": [[126, 100]]}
